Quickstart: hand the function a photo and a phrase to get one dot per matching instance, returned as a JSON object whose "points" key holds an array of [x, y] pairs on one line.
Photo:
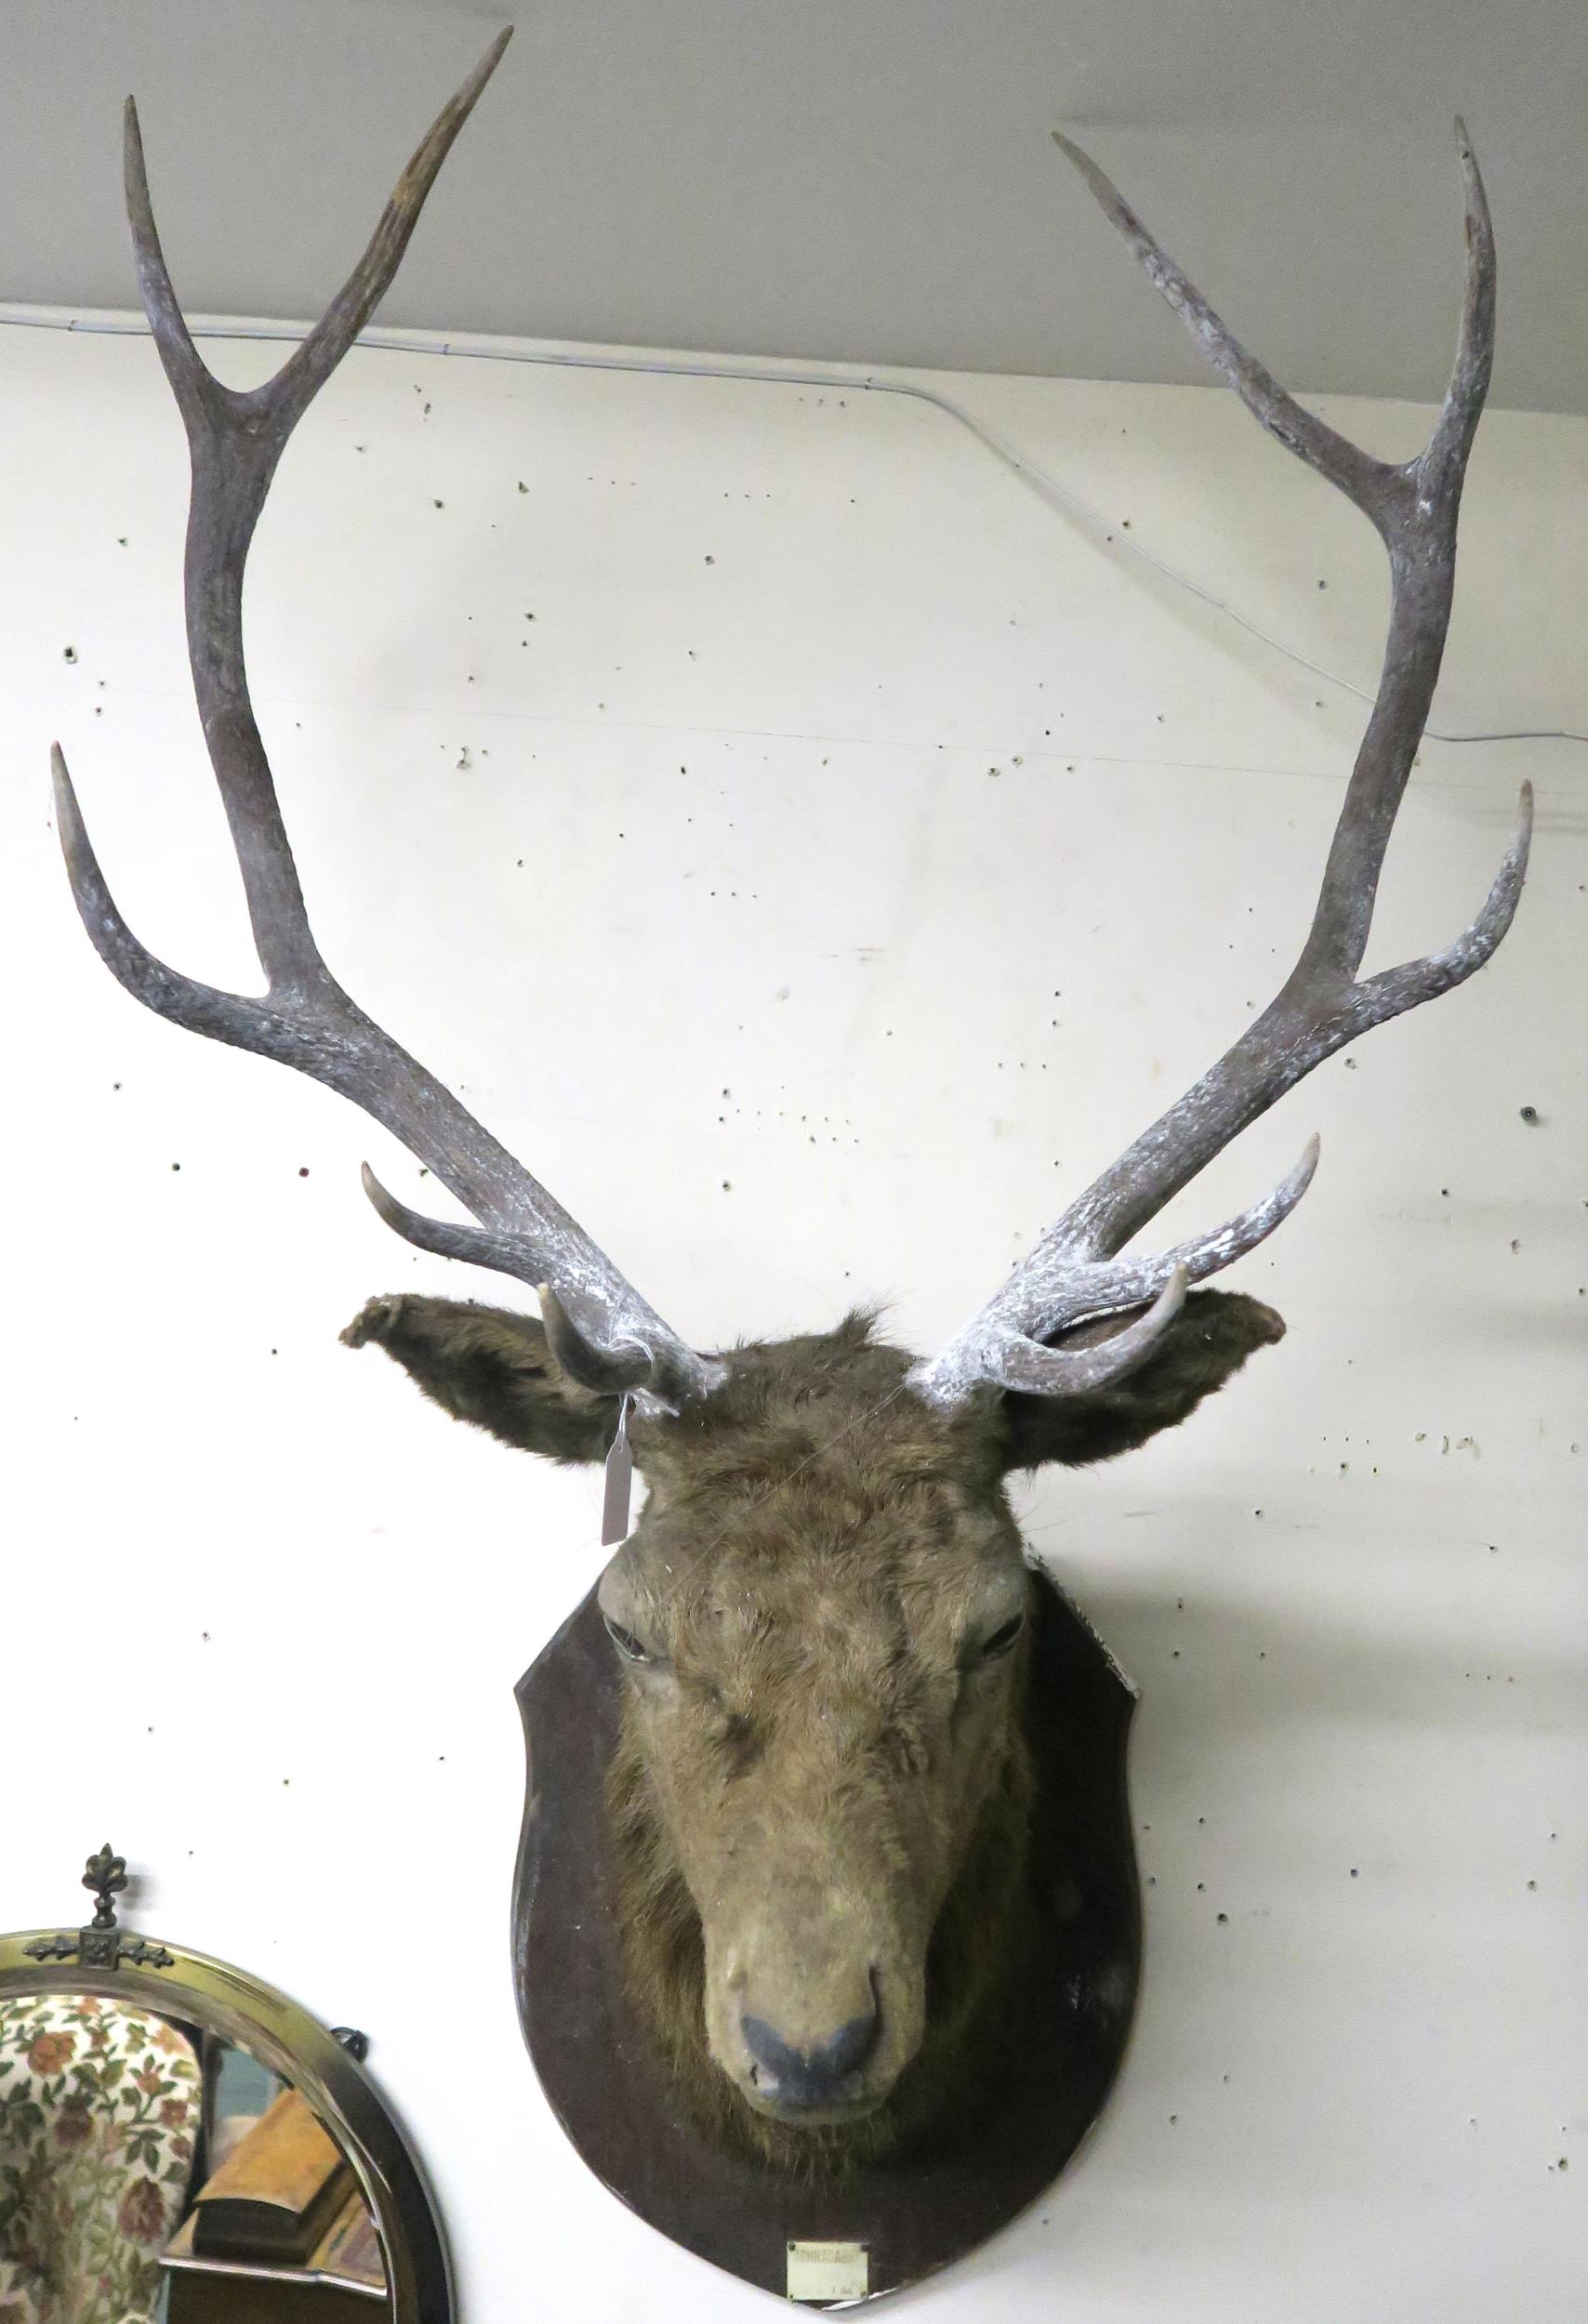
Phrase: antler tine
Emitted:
{"points": [[1368, 482], [596, 1357], [1073, 1272], [1025, 1364], [311, 364], [293, 386], [236, 440], [304, 1019], [202, 1008], [1475, 340]]}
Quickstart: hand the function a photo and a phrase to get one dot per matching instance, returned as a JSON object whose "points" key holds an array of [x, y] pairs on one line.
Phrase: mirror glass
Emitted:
{"points": [[151, 2173]]}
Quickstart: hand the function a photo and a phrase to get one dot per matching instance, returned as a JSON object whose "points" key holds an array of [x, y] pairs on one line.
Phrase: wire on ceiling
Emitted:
{"points": [[1048, 487]]}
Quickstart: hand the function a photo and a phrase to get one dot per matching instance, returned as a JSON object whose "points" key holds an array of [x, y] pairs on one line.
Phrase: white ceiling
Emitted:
{"points": [[867, 179]]}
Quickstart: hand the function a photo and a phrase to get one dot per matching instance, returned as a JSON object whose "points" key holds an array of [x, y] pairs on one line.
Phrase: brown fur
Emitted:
{"points": [[820, 1803], [491, 1367], [980, 1934]]}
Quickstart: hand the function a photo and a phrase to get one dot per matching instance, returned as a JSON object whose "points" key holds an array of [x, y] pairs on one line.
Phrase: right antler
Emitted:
{"points": [[601, 1328], [1074, 1271]]}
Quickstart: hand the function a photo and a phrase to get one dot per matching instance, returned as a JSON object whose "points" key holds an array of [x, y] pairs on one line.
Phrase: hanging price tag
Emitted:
{"points": [[620, 1483]]}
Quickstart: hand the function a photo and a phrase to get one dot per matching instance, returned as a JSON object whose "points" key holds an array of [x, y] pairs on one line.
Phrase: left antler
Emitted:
{"points": [[1075, 1271], [606, 1333]]}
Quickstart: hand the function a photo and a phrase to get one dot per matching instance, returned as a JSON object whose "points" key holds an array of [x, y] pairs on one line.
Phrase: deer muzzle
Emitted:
{"points": [[815, 2004]]}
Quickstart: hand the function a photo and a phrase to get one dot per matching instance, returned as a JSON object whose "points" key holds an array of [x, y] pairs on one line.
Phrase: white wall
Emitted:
{"points": [[842, 863]]}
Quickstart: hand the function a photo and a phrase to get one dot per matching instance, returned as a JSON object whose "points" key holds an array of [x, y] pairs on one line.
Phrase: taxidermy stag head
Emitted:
{"points": [[820, 1801]]}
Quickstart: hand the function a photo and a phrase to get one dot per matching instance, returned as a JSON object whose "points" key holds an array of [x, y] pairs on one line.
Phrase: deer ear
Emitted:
{"points": [[491, 1367], [1208, 1341]]}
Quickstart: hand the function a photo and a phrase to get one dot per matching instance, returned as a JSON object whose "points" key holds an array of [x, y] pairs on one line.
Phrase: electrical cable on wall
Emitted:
{"points": [[1057, 496]]}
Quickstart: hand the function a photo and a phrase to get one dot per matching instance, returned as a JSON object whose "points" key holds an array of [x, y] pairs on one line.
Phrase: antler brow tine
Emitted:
{"points": [[1075, 1269], [304, 1019]]}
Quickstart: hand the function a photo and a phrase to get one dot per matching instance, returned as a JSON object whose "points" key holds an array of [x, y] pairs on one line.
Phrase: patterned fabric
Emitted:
{"points": [[99, 2112], [21, 2295]]}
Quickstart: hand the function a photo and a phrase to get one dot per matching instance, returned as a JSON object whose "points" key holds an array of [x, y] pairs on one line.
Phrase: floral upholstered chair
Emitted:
{"points": [[99, 2115]]}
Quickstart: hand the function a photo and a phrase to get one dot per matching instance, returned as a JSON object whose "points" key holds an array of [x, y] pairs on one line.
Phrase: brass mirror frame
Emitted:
{"points": [[194, 1989]]}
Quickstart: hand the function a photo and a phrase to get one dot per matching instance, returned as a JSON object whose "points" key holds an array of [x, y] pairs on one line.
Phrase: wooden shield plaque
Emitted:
{"points": [[887, 2224]]}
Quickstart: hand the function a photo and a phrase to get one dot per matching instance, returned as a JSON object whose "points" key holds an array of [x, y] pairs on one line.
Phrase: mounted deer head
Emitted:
{"points": [[822, 1789]]}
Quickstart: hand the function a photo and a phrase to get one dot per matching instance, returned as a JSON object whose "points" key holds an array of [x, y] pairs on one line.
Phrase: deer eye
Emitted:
{"points": [[627, 1645], [1003, 1638]]}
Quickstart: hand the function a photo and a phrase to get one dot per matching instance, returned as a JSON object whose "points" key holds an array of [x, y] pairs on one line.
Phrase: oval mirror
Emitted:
{"points": [[181, 2144]]}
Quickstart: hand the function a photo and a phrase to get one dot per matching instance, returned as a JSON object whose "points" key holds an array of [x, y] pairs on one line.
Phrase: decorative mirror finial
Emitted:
{"points": [[101, 1945], [105, 1875]]}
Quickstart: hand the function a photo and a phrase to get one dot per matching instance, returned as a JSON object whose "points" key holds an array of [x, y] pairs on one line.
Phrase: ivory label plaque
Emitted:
{"points": [[828, 2271]]}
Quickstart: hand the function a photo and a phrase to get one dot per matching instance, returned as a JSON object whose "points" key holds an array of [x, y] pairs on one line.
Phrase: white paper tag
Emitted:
{"points": [[829, 2271], [620, 1480]]}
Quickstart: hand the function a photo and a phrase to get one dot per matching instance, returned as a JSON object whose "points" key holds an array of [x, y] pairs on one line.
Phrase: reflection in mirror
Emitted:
{"points": [[159, 2170], [178, 2144], [101, 2114], [277, 2228]]}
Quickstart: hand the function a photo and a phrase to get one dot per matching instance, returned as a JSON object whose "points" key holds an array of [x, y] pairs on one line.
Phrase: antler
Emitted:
{"points": [[304, 1018], [1074, 1271]]}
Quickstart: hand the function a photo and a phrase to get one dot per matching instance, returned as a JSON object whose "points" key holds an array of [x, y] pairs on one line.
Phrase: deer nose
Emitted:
{"points": [[814, 2076]]}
